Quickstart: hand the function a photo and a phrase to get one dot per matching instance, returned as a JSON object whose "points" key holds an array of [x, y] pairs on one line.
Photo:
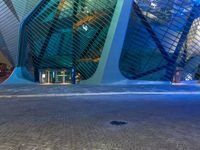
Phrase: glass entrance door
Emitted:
{"points": [[44, 76], [60, 76]]}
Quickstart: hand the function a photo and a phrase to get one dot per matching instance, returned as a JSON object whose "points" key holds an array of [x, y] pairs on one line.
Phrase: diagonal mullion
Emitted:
{"points": [[51, 30], [151, 32], [186, 29]]}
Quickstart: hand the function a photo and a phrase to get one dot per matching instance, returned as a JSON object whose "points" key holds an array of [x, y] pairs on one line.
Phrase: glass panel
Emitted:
{"points": [[161, 40], [68, 77], [44, 76], [69, 33], [60, 76]]}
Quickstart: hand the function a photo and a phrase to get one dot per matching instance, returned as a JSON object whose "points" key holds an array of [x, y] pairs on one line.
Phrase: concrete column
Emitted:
{"points": [[108, 69]]}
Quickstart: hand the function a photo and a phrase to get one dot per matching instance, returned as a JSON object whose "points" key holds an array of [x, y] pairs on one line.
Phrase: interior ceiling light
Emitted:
{"points": [[85, 27]]}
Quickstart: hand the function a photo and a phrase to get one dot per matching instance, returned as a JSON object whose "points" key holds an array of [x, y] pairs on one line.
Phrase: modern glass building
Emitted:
{"points": [[100, 42]]}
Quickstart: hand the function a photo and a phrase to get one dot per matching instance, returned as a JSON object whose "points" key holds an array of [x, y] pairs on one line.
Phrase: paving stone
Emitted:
{"points": [[83, 123]]}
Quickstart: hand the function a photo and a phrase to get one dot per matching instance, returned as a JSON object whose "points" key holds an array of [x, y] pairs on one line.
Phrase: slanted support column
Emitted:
{"points": [[108, 69]]}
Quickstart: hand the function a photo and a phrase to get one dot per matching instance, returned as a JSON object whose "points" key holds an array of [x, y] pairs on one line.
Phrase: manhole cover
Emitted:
{"points": [[118, 123]]}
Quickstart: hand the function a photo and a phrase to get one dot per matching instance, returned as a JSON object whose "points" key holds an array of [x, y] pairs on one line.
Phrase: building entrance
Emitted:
{"points": [[59, 76]]}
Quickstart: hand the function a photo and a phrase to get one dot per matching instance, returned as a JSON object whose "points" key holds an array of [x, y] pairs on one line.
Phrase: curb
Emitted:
{"points": [[99, 94]]}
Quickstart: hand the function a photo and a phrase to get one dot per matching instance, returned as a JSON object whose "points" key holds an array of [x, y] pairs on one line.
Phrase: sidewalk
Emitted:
{"points": [[73, 90]]}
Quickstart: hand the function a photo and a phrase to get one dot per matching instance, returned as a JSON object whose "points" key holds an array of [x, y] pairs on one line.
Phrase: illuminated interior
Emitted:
{"points": [[67, 34]]}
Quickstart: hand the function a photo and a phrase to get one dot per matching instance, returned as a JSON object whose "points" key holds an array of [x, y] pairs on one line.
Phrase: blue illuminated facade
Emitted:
{"points": [[162, 38], [107, 41]]}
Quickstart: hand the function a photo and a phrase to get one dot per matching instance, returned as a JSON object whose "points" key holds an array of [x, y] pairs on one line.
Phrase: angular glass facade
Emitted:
{"points": [[58, 41], [162, 39], [67, 34]]}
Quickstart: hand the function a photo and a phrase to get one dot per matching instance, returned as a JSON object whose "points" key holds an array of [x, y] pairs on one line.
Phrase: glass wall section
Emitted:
{"points": [[12, 13], [60, 76], [161, 41], [4, 53], [6, 64], [68, 34]]}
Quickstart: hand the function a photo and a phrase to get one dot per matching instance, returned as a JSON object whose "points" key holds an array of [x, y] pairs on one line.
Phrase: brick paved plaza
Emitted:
{"points": [[154, 122]]}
